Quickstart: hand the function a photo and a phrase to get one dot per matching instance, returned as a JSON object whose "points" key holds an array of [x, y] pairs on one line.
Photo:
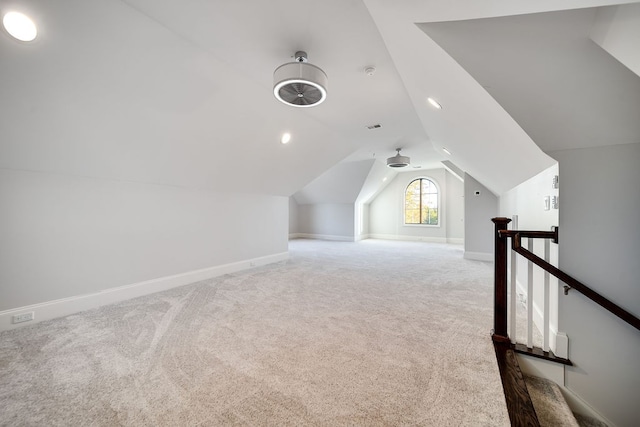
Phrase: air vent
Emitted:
{"points": [[376, 126]]}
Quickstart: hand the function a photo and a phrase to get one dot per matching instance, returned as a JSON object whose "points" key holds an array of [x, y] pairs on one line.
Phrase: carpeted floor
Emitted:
{"points": [[368, 333]]}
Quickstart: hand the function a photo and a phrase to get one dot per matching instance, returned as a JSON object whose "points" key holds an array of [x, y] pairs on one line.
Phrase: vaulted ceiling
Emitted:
{"points": [[180, 93]]}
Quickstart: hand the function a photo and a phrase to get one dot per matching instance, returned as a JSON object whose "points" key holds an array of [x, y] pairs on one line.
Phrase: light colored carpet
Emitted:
{"points": [[550, 405], [368, 333]]}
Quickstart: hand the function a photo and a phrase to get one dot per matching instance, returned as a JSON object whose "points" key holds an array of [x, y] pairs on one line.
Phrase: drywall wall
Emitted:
{"points": [[340, 184], [454, 208], [293, 217], [527, 201], [617, 30], [480, 205], [333, 221], [386, 211], [599, 235], [364, 227], [64, 236]]}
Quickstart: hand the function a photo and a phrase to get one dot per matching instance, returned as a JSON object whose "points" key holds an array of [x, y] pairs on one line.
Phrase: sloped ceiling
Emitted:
{"points": [[563, 89], [340, 184], [180, 93]]}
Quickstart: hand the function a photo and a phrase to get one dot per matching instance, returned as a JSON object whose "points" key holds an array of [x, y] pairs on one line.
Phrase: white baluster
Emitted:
{"points": [[530, 297], [545, 332], [513, 279]]}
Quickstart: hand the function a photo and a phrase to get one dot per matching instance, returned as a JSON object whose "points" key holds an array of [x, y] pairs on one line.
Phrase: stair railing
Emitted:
{"points": [[500, 331]]}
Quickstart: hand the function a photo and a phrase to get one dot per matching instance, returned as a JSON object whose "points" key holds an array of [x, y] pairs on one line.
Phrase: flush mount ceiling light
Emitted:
{"points": [[20, 26], [286, 137], [434, 103], [398, 161], [299, 83]]}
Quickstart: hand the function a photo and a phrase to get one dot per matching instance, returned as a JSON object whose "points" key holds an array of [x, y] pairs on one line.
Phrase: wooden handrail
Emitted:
{"points": [[500, 310], [553, 235], [575, 284]]}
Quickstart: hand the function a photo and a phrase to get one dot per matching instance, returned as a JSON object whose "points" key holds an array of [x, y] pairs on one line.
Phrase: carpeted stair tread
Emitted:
{"points": [[551, 408], [586, 421]]}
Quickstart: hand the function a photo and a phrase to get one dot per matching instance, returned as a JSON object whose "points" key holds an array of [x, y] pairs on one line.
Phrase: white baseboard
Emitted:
{"points": [[66, 306], [294, 236], [478, 256], [408, 238], [325, 237], [455, 240]]}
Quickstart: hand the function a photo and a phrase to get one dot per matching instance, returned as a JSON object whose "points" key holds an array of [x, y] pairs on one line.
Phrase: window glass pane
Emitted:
{"points": [[421, 202], [412, 203]]}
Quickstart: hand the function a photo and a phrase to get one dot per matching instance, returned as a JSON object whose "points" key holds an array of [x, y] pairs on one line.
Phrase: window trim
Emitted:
{"points": [[404, 195]]}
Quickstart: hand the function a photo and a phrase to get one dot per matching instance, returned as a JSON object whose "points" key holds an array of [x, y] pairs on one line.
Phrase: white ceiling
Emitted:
{"points": [[563, 89], [180, 93]]}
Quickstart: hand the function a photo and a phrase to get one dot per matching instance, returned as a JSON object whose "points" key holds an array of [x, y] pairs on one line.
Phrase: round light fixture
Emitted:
{"points": [[300, 84], [20, 26], [398, 161], [286, 137], [434, 103]]}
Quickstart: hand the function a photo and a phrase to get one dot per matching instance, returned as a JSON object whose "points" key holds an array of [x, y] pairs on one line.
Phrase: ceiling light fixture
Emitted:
{"points": [[398, 161], [446, 151], [435, 103], [300, 84], [286, 137], [20, 26]]}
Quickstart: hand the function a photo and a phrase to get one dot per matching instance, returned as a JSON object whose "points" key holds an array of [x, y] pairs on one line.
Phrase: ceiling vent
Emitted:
{"points": [[398, 161], [299, 83]]}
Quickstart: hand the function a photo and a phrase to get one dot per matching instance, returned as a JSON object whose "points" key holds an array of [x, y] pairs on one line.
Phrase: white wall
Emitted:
{"points": [[293, 217], [386, 211], [527, 201], [480, 205], [599, 245], [455, 208], [334, 221], [617, 30], [64, 236]]}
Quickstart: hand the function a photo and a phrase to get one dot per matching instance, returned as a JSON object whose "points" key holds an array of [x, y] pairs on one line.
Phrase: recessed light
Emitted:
{"points": [[435, 103], [286, 137], [20, 26], [384, 179], [446, 151]]}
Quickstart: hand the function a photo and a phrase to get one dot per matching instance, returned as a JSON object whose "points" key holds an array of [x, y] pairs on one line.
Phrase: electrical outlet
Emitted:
{"points": [[24, 317]]}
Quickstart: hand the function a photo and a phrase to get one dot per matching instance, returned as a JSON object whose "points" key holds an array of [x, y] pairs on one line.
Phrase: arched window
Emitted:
{"points": [[421, 202]]}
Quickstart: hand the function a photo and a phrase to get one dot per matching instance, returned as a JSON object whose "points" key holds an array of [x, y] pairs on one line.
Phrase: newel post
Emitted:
{"points": [[500, 282]]}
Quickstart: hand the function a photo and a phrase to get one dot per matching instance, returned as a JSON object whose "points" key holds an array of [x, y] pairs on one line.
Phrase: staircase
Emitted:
{"points": [[533, 401]]}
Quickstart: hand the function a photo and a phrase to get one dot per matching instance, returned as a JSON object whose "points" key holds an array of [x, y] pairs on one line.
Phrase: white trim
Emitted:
{"points": [[455, 240], [294, 236], [326, 237], [66, 306], [408, 238], [478, 256]]}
